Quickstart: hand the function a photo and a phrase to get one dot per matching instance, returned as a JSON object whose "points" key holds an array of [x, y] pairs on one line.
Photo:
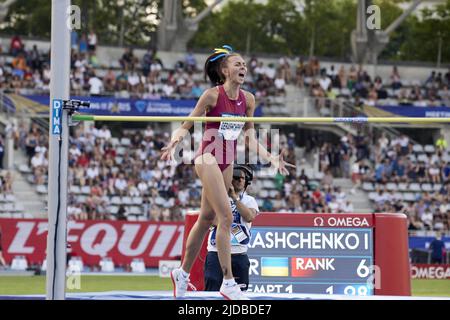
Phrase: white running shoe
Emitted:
{"points": [[180, 284], [232, 292]]}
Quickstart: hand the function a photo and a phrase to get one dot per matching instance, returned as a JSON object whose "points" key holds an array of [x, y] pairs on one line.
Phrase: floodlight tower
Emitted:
{"points": [[175, 31], [368, 43]]}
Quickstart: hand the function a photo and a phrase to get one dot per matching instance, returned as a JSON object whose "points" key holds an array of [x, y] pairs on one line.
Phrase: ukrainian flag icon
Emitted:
{"points": [[274, 267]]}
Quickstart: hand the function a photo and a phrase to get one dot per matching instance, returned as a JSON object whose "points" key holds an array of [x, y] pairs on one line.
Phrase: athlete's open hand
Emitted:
{"points": [[279, 163], [167, 151]]}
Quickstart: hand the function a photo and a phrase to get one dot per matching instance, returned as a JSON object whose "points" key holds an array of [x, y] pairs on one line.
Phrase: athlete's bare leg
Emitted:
{"points": [[198, 233], [215, 186]]}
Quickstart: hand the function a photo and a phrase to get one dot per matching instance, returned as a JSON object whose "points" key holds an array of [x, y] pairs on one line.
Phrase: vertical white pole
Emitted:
{"points": [[58, 150]]}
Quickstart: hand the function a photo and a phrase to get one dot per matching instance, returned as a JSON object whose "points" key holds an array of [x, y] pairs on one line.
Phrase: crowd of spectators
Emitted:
{"points": [[109, 168], [299, 195], [390, 167], [28, 71], [384, 162], [354, 83], [396, 161], [129, 166], [270, 80]]}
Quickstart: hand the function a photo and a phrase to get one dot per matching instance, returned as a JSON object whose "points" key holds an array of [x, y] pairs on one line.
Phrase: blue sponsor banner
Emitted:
{"points": [[132, 107], [129, 107], [425, 112]]}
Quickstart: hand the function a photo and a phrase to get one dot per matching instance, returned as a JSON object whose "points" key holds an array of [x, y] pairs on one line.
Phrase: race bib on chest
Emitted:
{"points": [[230, 130]]}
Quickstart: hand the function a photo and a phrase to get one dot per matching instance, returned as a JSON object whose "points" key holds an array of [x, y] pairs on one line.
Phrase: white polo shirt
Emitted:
{"points": [[240, 229]]}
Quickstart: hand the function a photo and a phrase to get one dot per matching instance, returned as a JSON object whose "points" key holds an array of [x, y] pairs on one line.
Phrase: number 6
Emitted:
{"points": [[363, 270]]}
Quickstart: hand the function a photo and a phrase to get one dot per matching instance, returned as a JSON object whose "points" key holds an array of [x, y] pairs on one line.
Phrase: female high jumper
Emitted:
{"points": [[214, 162]]}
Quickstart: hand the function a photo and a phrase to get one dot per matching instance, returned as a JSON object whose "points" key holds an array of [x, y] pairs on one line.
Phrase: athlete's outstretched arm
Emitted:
{"points": [[207, 99], [252, 143]]}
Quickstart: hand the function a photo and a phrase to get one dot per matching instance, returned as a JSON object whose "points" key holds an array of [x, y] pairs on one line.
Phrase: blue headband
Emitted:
{"points": [[223, 52]]}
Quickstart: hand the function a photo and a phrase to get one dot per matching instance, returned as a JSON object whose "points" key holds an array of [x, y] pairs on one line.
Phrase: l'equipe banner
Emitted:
{"points": [[123, 241]]}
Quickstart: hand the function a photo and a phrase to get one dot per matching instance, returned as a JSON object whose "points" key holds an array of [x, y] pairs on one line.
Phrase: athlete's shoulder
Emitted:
{"points": [[249, 97], [213, 90], [211, 95]]}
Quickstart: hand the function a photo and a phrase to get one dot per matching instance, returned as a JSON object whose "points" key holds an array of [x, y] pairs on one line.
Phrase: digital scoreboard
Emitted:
{"points": [[311, 260], [319, 253]]}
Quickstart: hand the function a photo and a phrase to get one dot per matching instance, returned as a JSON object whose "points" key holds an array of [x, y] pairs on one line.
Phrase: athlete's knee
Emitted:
{"points": [[205, 221], [225, 221]]}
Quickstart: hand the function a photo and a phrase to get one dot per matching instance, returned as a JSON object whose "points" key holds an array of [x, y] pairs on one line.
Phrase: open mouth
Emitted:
{"points": [[241, 75]]}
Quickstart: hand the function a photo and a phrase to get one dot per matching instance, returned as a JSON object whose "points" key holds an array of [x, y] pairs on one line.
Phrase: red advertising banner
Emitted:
{"points": [[430, 271], [122, 241]]}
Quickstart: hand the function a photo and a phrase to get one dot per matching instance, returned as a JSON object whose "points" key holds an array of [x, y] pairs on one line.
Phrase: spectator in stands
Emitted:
{"points": [[345, 155], [285, 69], [95, 85], [318, 200], [430, 80], [318, 93], [441, 143], [19, 65], [75, 212], [314, 66], [341, 78], [146, 63], [74, 40], [427, 219], [190, 63], [352, 77], [34, 59], [444, 95], [300, 72], [437, 247], [270, 72], [134, 82], [380, 199], [414, 222], [372, 96], [83, 44], [327, 179], [104, 133], [280, 84], [155, 70], [31, 141], [356, 175], [304, 179], [395, 79], [324, 81], [333, 75], [109, 81], [122, 83], [122, 213], [120, 185], [128, 60], [16, 45], [434, 173], [347, 207], [196, 90], [92, 42]]}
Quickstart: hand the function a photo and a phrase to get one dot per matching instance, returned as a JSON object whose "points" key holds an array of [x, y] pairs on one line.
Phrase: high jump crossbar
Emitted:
{"points": [[421, 120]]}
